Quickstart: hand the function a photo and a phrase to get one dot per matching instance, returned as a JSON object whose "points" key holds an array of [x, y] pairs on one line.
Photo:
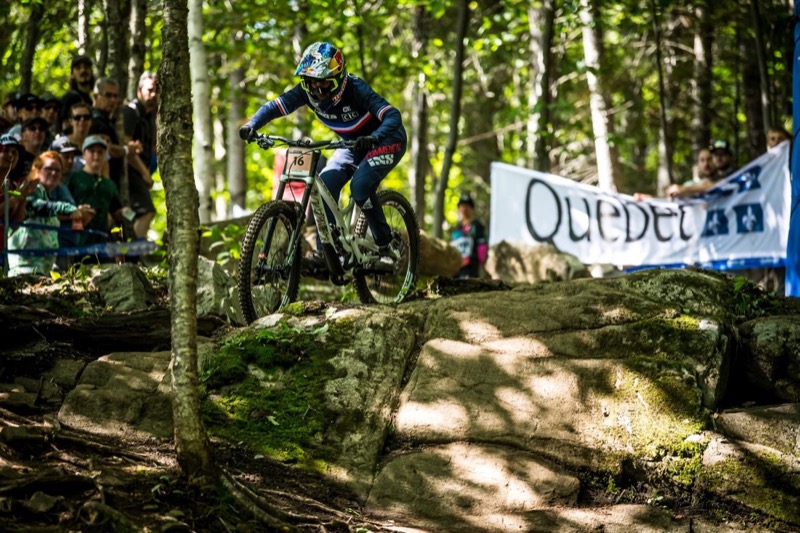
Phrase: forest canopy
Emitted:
{"points": [[668, 77]]}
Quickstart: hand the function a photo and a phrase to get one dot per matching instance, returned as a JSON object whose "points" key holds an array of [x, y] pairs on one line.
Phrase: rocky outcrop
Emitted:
{"points": [[523, 263], [486, 411]]}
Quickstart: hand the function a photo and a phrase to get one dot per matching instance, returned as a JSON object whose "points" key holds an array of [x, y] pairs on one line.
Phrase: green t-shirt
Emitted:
{"points": [[99, 192]]}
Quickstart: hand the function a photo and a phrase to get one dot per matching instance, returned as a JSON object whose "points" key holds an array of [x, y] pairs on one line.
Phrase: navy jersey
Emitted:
{"points": [[360, 112]]}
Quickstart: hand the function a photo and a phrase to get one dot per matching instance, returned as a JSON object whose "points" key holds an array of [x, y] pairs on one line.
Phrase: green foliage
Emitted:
{"points": [[750, 300], [384, 44], [226, 241]]}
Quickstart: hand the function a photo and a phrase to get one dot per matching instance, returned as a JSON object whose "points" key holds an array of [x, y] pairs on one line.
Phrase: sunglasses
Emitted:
{"points": [[82, 117], [32, 107], [51, 107], [36, 128], [52, 170]]}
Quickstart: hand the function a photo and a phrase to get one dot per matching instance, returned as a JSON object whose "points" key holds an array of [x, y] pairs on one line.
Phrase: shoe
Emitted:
{"points": [[315, 262], [389, 254]]}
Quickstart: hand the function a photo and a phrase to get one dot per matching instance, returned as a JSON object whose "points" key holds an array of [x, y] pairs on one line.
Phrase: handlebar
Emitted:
{"points": [[266, 142]]}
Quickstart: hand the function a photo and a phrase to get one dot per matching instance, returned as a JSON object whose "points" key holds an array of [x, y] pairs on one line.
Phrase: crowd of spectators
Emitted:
{"points": [[63, 161]]}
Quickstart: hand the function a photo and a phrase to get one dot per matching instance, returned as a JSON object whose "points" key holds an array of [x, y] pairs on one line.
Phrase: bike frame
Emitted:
{"points": [[301, 167]]}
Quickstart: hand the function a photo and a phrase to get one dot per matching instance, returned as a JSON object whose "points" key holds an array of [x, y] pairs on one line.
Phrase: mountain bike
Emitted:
{"points": [[271, 260]]}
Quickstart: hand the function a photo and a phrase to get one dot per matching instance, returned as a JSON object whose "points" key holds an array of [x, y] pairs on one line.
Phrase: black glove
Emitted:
{"points": [[246, 132], [366, 143]]}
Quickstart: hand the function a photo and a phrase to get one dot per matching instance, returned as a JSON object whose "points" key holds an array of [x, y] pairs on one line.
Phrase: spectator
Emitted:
{"points": [[66, 239], [51, 108], [32, 140], [89, 186], [10, 106], [706, 177], [140, 126], [776, 135], [723, 158], [81, 122], [41, 210], [106, 104], [27, 106], [81, 82], [469, 237], [10, 173]]}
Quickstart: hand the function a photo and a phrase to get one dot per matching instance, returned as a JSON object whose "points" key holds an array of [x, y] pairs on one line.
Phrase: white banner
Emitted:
{"points": [[743, 221]]}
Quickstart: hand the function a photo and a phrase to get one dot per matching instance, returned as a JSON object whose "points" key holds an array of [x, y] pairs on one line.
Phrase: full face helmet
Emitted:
{"points": [[323, 62]]}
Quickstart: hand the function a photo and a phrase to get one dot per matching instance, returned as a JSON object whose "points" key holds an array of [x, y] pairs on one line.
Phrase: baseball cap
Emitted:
{"points": [[35, 120], [27, 99], [67, 147], [9, 140], [47, 98], [466, 198], [720, 145], [77, 60], [92, 140], [11, 99]]}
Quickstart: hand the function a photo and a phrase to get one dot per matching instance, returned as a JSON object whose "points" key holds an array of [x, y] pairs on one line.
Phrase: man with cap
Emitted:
{"points": [[89, 186], [51, 106], [9, 105], [27, 106], [81, 83], [469, 237], [723, 158]]}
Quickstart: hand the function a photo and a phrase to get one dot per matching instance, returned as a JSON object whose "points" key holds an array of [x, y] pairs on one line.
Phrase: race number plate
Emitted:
{"points": [[298, 163]]}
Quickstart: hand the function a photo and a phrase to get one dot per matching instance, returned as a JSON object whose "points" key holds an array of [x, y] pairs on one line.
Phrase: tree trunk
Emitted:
{"points": [[137, 44], [31, 41], [175, 160], [761, 57], [455, 112], [540, 21], [419, 118], [203, 160], [601, 123], [664, 152], [755, 141], [237, 180], [83, 26], [116, 32], [703, 75]]}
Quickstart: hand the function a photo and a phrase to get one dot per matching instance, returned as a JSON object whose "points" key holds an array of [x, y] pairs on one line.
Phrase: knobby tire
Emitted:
{"points": [[266, 282], [393, 287]]}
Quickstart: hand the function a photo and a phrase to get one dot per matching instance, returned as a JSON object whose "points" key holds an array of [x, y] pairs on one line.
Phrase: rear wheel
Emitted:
{"points": [[267, 280], [393, 286]]}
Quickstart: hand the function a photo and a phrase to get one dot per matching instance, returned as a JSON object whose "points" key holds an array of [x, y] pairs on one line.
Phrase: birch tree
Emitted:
{"points": [[234, 152], [702, 77], [601, 124], [174, 156], [203, 145], [664, 178]]}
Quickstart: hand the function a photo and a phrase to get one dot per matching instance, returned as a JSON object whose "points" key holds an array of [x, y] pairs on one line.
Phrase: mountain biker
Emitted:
{"points": [[349, 107]]}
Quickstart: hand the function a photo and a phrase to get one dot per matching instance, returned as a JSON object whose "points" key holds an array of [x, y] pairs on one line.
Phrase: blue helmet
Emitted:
{"points": [[323, 61]]}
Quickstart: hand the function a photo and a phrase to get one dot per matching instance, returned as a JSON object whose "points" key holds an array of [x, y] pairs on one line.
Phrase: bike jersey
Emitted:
{"points": [[360, 112]]}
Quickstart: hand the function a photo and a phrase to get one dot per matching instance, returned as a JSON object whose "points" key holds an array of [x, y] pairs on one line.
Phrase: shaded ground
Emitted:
{"points": [[55, 479]]}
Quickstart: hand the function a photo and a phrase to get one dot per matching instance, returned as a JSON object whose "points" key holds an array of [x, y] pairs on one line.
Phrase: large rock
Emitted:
{"points": [[524, 263], [437, 257], [124, 288], [771, 357]]}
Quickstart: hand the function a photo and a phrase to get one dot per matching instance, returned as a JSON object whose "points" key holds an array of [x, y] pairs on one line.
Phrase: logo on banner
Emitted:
{"points": [[716, 223], [749, 218]]}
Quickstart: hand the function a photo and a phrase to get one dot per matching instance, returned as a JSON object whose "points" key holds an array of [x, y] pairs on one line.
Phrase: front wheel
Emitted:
{"points": [[269, 272], [392, 287]]}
